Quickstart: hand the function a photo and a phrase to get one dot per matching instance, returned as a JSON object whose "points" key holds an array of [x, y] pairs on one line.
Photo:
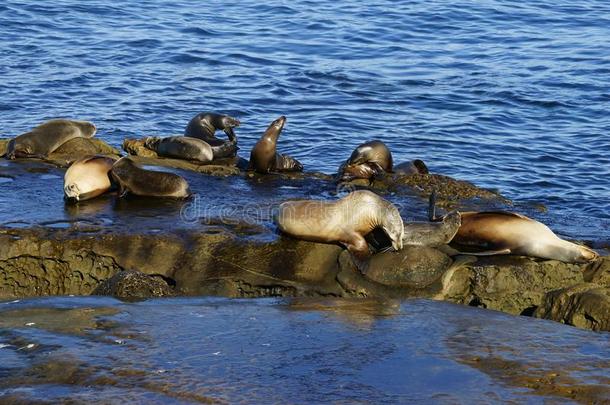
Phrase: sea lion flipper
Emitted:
{"points": [[486, 252], [361, 265]]}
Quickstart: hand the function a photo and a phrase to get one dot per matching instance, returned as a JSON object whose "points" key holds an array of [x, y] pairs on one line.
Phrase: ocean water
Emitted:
{"points": [[511, 96], [301, 351]]}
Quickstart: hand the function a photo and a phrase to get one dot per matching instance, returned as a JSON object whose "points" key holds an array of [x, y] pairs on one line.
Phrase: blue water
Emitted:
{"points": [[299, 351], [511, 96]]}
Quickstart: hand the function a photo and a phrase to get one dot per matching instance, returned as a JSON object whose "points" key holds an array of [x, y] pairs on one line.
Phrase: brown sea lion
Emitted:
{"points": [[264, 157], [88, 178], [180, 147], [135, 180], [416, 166], [47, 137], [204, 126], [368, 160], [510, 233], [345, 221]]}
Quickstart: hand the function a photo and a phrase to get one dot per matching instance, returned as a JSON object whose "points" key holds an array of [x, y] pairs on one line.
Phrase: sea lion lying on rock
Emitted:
{"points": [[88, 178], [372, 159], [47, 137], [204, 126], [511, 233], [504, 233], [180, 147], [132, 179], [345, 221]]}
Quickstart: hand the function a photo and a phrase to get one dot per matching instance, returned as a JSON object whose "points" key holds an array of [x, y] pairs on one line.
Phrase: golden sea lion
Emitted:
{"points": [[510, 233], [345, 221], [88, 178]]}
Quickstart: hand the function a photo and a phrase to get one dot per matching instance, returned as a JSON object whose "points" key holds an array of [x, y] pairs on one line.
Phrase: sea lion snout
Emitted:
{"points": [[279, 123], [71, 192]]}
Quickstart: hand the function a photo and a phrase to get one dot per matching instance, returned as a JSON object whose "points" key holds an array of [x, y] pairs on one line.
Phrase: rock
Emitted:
{"points": [[449, 191], [248, 261], [510, 284], [135, 147], [3, 146], [585, 305], [134, 285], [598, 272]]}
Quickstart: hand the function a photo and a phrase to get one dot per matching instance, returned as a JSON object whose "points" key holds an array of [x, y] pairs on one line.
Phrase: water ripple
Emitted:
{"points": [[510, 95]]}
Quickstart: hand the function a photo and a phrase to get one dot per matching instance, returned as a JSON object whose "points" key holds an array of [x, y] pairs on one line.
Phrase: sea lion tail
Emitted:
{"points": [[432, 207]]}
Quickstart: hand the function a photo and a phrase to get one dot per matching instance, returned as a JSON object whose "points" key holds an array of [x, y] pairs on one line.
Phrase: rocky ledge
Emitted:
{"points": [[136, 249], [226, 261]]}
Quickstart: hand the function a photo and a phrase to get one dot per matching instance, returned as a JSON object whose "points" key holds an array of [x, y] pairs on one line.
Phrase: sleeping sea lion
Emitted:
{"points": [[132, 179], [47, 137]]}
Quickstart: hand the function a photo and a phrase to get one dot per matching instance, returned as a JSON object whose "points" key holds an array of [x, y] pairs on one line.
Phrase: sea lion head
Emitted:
{"points": [[216, 121], [71, 193], [15, 150], [392, 224], [87, 128], [349, 172], [276, 127], [228, 122], [581, 254]]}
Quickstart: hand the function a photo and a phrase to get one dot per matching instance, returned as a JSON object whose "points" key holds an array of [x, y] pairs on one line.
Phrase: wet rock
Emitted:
{"points": [[3, 146], [135, 147], [449, 191], [132, 285], [585, 305], [232, 267], [510, 284], [598, 272], [415, 271], [219, 259]]}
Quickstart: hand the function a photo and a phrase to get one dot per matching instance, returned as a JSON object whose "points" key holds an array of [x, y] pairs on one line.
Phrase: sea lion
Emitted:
{"points": [[504, 233], [47, 137], [264, 157], [180, 147], [204, 126], [510, 233], [135, 180], [434, 233], [416, 166], [345, 221], [368, 160], [88, 178]]}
